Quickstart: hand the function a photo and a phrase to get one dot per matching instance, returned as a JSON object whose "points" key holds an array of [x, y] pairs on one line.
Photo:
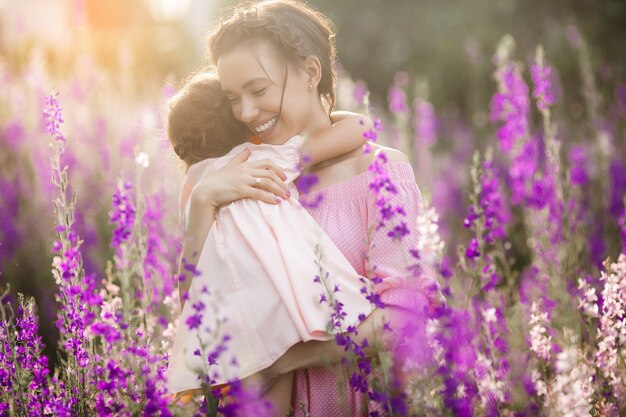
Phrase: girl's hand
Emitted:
{"points": [[260, 180]]}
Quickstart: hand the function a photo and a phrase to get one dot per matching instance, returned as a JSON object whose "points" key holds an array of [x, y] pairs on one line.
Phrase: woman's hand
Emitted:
{"points": [[260, 180]]}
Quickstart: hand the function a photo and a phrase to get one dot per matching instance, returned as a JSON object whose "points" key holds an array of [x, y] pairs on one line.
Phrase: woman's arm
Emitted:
{"points": [[406, 285], [345, 135], [319, 354]]}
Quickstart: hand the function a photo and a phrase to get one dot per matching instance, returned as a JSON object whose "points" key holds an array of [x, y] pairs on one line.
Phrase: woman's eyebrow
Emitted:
{"points": [[248, 83]]}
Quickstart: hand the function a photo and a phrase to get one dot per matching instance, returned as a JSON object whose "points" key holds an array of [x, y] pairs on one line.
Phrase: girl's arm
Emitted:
{"points": [[201, 218], [345, 135]]}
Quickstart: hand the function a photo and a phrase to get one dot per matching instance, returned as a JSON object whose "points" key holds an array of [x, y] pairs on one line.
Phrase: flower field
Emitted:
{"points": [[525, 224]]}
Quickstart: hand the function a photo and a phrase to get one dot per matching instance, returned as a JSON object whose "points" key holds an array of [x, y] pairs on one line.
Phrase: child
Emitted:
{"points": [[259, 260]]}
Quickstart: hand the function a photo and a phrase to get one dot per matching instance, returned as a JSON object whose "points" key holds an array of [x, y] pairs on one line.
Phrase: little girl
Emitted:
{"points": [[268, 266]]}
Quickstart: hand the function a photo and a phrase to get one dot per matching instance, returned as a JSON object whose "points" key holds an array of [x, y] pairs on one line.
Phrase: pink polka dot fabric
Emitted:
{"points": [[349, 215]]}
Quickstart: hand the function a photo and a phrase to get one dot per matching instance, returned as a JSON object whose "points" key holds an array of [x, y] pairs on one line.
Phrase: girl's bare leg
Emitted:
{"points": [[279, 393]]}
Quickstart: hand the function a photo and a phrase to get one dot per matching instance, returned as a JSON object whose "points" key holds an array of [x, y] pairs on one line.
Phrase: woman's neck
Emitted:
{"points": [[318, 120]]}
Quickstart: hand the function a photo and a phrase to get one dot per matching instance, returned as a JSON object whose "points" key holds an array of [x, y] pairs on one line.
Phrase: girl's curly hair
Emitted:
{"points": [[200, 124], [295, 30]]}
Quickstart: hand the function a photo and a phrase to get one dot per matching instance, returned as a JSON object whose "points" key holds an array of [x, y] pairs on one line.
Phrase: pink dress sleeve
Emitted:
{"points": [[401, 279]]}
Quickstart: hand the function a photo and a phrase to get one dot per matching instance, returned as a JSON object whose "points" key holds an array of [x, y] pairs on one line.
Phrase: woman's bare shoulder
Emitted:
{"points": [[393, 155], [354, 163]]}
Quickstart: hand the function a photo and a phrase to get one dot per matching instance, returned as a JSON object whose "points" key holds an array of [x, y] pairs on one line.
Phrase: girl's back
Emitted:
{"points": [[259, 282]]}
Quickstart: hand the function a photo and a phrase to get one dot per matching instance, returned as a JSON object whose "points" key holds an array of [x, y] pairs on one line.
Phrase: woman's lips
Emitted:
{"points": [[265, 126]]}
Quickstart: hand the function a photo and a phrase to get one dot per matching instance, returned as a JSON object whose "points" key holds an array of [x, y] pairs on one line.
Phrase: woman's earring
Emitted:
{"points": [[310, 86]]}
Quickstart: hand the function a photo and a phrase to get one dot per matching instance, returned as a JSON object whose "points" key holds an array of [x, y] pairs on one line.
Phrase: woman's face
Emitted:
{"points": [[253, 79]]}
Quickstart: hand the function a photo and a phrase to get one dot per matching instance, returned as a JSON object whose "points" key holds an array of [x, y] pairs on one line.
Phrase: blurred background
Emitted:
{"points": [[115, 62], [450, 43]]}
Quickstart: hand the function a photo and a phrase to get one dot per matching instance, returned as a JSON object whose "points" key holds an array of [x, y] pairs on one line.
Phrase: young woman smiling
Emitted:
{"points": [[275, 60]]}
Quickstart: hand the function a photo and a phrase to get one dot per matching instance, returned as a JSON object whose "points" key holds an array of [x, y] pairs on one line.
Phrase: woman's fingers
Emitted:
{"points": [[260, 180], [267, 164], [270, 175], [265, 196], [267, 184]]}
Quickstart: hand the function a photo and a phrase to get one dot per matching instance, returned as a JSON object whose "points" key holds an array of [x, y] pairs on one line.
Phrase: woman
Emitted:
{"points": [[276, 64]]}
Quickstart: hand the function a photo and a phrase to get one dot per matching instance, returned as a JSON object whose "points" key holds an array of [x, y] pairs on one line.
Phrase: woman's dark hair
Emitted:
{"points": [[295, 30], [200, 124]]}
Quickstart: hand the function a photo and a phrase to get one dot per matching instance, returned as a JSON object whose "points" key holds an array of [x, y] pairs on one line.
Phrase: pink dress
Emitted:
{"points": [[257, 281], [346, 212]]}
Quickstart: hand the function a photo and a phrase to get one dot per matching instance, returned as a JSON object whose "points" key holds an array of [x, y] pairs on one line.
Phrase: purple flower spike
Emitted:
{"points": [[53, 114], [541, 75], [122, 215], [511, 106], [473, 249], [397, 100]]}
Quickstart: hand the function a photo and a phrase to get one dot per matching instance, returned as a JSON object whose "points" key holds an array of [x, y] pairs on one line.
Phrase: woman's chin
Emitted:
{"points": [[275, 135]]}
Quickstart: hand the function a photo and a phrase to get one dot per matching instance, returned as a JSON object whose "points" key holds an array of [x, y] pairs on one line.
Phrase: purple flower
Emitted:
{"points": [[511, 106], [122, 215], [305, 184], [375, 300], [110, 333], [471, 217], [543, 92], [199, 306], [28, 354], [398, 232], [53, 115], [425, 123], [541, 193], [622, 224], [384, 190], [358, 382], [492, 204], [75, 290], [578, 160], [193, 322], [246, 402], [456, 337], [397, 100], [473, 249]]}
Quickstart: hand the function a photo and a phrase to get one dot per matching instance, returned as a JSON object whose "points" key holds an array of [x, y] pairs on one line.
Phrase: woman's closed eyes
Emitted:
{"points": [[257, 93]]}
